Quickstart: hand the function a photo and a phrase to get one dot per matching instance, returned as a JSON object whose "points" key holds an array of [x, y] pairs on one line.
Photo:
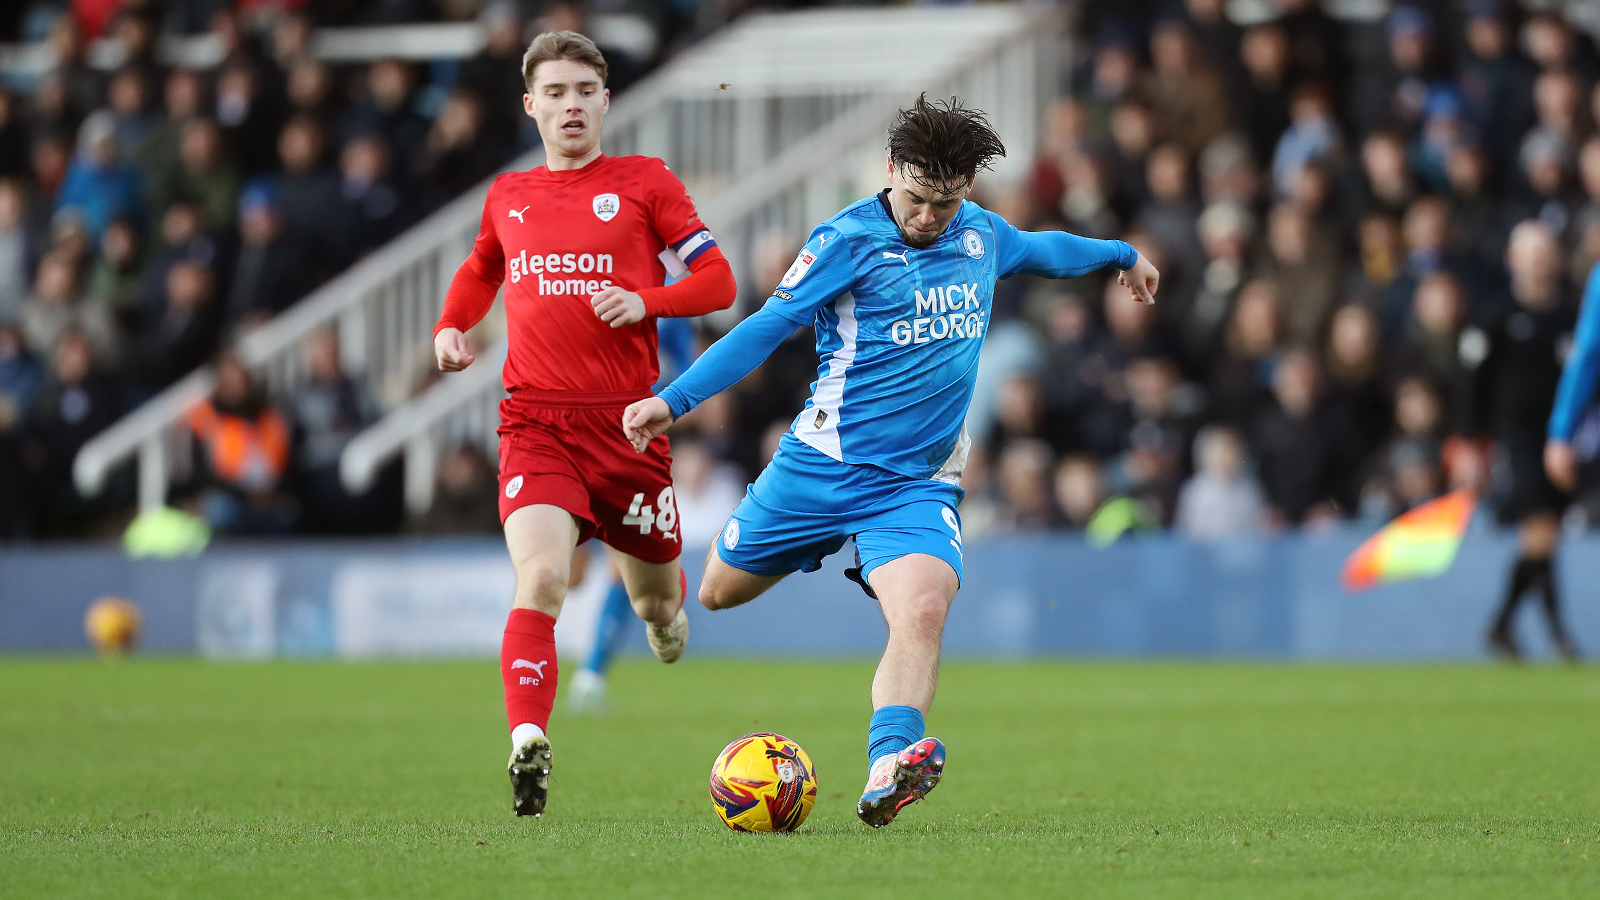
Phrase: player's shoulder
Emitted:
{"points": [[648, 168], [864, 218], [519, 180]]}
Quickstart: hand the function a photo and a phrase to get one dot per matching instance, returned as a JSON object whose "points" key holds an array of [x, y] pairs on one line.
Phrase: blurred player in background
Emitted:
{"points": [[584, 245], [899, 288], [1512, 370]]}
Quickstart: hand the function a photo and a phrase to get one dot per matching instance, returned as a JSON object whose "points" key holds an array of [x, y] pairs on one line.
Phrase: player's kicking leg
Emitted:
{"points": [[541, 539], [656, 591], [915, 592]]}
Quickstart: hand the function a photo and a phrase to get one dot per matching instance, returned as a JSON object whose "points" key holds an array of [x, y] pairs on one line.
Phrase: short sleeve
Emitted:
{"points": [[822, 272], [672, 214]]}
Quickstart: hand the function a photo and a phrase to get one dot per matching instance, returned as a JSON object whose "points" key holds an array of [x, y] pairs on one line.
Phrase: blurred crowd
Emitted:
{"points": [[150, 214], [1348, 216]]}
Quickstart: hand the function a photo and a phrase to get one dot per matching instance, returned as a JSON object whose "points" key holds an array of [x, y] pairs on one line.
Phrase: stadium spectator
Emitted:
{"points": [[307, 190], [454, 157], [74, 404], [16, 246], [242, 445], [1184, 92], [203, 177], [179, 334], [1295, 442], [1079, 489], [1021, 474], [705, 490], [1262, 95], [271, 272], [387, 109], [371, 208], [326, 412], [245, 121], [98, 187], [114, 274], [58, 304], [464, 496], [1222, 499]]}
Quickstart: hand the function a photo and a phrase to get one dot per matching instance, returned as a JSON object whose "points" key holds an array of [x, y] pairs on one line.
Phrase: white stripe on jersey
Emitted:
{"points": [[818, 425]]}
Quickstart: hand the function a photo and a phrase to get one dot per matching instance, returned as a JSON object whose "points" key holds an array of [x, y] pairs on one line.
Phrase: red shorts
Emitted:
{"points": [[568, 450]]}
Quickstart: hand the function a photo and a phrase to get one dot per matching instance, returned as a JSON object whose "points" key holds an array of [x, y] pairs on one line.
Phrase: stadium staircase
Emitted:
{"points": [[774, 124]]}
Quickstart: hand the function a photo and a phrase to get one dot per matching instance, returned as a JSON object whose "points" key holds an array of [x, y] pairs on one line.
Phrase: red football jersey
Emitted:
{"points": [[556, 238]]}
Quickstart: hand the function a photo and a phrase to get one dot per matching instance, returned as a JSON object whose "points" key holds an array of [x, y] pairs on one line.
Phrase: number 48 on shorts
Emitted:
{"points": [[663, 515]]}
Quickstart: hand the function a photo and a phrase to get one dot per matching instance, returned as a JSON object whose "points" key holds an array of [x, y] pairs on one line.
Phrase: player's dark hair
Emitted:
{"points": [[943, 139], [554, 45]]}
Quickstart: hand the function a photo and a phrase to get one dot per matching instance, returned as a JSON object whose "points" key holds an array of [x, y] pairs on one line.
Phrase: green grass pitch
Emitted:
{"points": [[178, 778]]}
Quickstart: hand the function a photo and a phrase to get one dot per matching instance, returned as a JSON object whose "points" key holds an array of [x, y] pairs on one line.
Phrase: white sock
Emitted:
{"points": [[525, 732]]}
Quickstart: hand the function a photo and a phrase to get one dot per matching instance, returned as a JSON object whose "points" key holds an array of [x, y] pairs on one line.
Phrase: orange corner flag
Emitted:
{"points": [[1418, 544]]}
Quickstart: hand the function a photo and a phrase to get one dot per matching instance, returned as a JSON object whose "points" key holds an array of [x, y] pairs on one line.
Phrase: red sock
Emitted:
{"points": [[528, 666]]}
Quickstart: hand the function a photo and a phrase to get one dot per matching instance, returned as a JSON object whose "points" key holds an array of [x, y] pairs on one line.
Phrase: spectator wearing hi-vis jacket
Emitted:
{"points": [[243, 447]]}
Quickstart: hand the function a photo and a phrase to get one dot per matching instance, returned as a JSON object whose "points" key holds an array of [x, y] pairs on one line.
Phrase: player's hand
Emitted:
{"points": [[452, 349], [1561, 464], [617, 307], [1141, 280], [643, 421]]}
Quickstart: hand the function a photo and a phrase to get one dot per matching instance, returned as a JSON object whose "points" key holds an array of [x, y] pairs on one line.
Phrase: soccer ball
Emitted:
{"points": [[763, 782], [112, 625]]}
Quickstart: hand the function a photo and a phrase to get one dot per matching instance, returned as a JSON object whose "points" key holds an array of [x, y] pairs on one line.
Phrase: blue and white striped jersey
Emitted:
{"points": [[899, 329]]}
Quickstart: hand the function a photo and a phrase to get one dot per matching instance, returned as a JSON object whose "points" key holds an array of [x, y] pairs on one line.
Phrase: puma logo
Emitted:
{"points": [[517, 214], [900, 256], [537, 667]]}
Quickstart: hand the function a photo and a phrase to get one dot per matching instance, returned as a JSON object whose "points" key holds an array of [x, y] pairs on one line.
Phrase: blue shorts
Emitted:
{"points": [[805, 504]]}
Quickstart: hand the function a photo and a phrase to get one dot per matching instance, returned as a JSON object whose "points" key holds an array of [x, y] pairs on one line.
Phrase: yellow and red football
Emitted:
{"points": [[763, 782]]}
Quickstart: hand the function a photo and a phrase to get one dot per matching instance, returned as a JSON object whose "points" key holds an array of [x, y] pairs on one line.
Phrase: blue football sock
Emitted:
{"points": [[611, 631], [893, 729]]}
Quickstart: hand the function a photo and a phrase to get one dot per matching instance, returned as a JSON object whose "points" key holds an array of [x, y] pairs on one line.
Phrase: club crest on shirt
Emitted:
{"points": [[972, 243], [606, 206]]}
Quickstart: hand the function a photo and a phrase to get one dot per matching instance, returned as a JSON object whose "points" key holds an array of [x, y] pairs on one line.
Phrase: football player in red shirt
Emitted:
{"points": [[583, 245]]}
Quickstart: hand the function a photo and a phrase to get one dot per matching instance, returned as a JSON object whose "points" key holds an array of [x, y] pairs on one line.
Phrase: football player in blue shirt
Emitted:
{"points": [[899, 288]]}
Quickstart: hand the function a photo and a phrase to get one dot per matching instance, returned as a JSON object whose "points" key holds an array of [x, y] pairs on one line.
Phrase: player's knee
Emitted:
{"points": [[921, 616], [715, 596], [541, 584]]}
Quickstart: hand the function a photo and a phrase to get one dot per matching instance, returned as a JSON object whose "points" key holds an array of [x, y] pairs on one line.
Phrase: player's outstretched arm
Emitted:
{"points": [[1059, 254], [723, 365]]}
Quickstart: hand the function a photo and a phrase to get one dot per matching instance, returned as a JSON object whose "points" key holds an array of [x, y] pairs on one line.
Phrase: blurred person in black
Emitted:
{"points": [[1261, 97], [271, 272], [1496, 81], [1296, 446], [179, 337], [389, 110], [248, 125], [308, 190], [464, 500], [454, 156], [495, 76], [371, 208], [1512, 370], [75, 403], [326, 412], [1241, 377]]}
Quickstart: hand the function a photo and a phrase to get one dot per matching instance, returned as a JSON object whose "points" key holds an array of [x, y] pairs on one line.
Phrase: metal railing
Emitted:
{"points": [[1010, 76]]}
